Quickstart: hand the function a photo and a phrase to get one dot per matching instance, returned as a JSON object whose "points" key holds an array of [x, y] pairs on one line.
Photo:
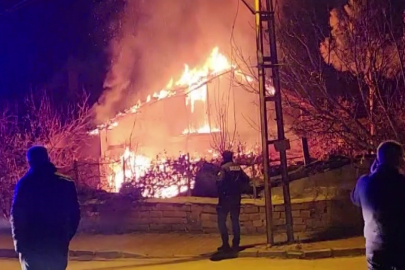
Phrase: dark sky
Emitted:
{"points": [[39, 36]]}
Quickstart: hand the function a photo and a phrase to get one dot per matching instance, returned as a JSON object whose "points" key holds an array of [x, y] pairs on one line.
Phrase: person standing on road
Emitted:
{"points": [[381, 196], [45, 214], [232, 182]]}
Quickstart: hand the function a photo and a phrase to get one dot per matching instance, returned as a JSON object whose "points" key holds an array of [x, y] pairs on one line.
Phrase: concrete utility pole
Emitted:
{"points": [[265, 17]]}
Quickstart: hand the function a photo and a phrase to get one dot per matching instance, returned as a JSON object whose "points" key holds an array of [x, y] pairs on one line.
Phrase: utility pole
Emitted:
{"points": [[265, 17]]}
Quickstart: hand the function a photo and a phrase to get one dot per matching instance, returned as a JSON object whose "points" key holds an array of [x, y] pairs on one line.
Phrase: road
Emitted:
{"points": [[203, 264]]}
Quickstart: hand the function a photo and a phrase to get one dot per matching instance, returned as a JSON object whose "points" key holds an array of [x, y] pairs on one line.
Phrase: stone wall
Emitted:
{"points": [[312, 218]]}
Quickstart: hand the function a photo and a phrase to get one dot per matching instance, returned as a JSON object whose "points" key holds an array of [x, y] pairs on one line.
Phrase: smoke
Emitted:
{"points": [[159, 36]]}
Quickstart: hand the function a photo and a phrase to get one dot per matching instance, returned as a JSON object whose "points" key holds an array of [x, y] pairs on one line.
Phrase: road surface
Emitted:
{"points": [[357, 263]]}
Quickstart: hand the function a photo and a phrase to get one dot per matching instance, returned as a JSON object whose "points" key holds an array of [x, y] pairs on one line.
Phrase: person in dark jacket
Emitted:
{"points": [[381, 196], [232, 182], [45, 214]]}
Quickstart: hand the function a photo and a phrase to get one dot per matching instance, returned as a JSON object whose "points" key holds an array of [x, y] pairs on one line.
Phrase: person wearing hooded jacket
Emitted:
{"points": [[231, 183], [380, 194], [45, 214]]}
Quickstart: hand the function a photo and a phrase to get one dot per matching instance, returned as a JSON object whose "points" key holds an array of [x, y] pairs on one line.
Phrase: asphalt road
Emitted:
{"points": [[357, 263]]}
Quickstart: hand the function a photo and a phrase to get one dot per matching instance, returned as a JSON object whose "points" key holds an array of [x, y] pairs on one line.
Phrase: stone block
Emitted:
{"points": [[134, 215], [139, 227], [295, 213], [300, 206], [208, 217], [165, 207], [348, 252], [195, 208], [156, 214], [248, 230], [209, 209], [262, 209], [254, 216], [320, 206], [193, 217], [276, 215], [292, 254], [209, 224], [179, 227], [145, 207], [174, 214], [279, 228], [244, 217], [278, 208], [305, 213], [298, 221], [160, 227], [144, 214], [185, 207], [261, 230], [257, 223], [250, 209], [318, 254], [245, 223], [312, 223], [299, 227], [142, 221], [173, 220], [193, 228], [278, 222]]}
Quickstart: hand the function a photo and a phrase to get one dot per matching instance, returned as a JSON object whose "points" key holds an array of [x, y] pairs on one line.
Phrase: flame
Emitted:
{"points": [[193, 79], [158, 178], [94, 132], [206, 129], [215, 64], [133, 167]]}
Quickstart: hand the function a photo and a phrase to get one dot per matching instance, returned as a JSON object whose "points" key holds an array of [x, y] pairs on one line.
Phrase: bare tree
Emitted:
{"points": [[324, 85], [38, 122], [224, 138], [365, 41]]}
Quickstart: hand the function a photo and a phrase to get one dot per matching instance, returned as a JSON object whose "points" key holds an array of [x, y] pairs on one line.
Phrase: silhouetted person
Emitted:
{"points": [[381, 196], [45, 214], [232, 181]]}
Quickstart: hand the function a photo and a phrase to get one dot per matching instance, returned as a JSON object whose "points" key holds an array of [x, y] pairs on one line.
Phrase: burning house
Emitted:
{"points": [[205, 110]]}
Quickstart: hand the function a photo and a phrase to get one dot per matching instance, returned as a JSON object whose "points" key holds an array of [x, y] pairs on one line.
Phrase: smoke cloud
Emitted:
{"points": [[159, 36]]}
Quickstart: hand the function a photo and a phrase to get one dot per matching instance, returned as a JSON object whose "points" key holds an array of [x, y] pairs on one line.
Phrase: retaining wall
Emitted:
{"points": [[314, 218]]}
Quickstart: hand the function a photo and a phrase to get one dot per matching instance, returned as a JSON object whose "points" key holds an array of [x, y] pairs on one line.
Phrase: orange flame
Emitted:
{"points": [[132, 167]]}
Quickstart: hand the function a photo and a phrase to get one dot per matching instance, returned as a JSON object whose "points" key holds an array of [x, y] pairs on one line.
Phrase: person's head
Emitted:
{"points": [[37, 156], [390, 153], [227, 156]]}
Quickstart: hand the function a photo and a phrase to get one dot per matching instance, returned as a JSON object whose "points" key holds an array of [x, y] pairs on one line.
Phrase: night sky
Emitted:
{"points": [[39, 37]]}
